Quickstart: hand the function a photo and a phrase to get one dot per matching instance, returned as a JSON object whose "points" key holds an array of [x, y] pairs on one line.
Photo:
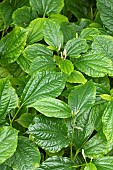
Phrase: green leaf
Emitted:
{"points": [[68, 31], [107, 120], [24, 63], [49, 133], [76, 77], [41, 63], [5, 167], [23, 16], [25, 119], [95, 64], [82, 98], [47, 7], [6, 12], [35, 30], [53, 35], [8, 98], [66, 66], [4, 72], [8, 142], [57, 163], [90, 166], [104, 44], [43, 84], [104, 163], [97, 146], [59, 18], [106, 9], [51, 107], [12, 45], [33, 51], [87, 33], [76, 46], [27, 155], [83, 130]]}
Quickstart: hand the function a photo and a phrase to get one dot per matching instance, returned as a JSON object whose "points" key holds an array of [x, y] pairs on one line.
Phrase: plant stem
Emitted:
{"points": [[15, 115]]}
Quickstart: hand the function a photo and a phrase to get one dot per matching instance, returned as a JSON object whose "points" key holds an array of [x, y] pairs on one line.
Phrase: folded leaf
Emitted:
{"points": [[57, 163], [8, 142], [27, 155], [43, 84], [66, 66], [49, 133], [47, 7], [12, 45], [51, 107]]}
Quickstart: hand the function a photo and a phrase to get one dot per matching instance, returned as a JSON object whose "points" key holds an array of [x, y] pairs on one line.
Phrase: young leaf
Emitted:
{"points": [[97, 146], [49, 133], [107, 120], [53, 35], [82, 98], [66, 66], [95, 64], [47, 7], [12, 45], [33, 51], [59, 18], [76, 46], [90, 166], [51, 107], [76, 77], [43, 84], [42, 63], [106, 9], [8, 142], [104, 44], [27, 155], [104, 163], [57, 163], [8, 98], [23, 16], [35, 30]]}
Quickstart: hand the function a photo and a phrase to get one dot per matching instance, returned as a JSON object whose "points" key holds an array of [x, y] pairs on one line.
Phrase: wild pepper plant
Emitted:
{"points": [[56, 96]]}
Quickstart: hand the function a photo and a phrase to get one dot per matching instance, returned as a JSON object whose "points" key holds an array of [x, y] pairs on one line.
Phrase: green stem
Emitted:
{"points": [[15, 115], [76, 154]]}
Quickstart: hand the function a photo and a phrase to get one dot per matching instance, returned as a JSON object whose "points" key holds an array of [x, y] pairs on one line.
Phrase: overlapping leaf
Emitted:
{"points": [[27, 155], [57, 163], [51, 107], [82, 98], [12, 45], [95, 64], [8, 142], [49, 133], [47, 7], [53, 35], [43, 84], [8, 98]]}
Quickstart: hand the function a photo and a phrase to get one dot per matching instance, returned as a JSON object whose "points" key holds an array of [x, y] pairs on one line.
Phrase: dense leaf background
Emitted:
{"points": [[56, 85]]}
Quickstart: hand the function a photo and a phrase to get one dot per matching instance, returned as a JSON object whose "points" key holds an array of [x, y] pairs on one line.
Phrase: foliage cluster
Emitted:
{"points": [[56, 90]]}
